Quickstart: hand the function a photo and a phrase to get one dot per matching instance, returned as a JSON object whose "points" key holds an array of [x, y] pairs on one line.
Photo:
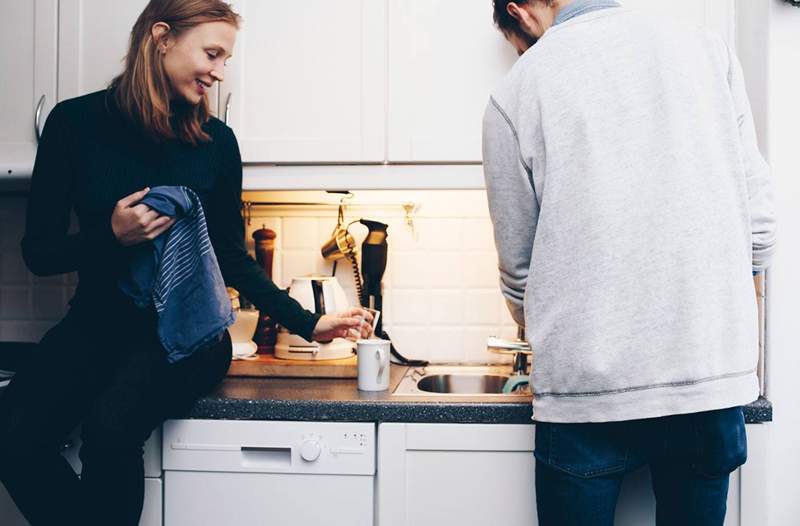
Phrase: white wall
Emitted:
{"points": [[441, 294], [768, 42], [783, 330]]}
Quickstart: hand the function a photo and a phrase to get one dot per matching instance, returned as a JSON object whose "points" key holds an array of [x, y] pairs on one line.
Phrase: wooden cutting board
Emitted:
{"points": [[266, 365]]}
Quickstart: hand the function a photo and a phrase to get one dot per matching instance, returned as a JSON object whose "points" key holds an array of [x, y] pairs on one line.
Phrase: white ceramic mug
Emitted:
{"points": [[373, 364]]}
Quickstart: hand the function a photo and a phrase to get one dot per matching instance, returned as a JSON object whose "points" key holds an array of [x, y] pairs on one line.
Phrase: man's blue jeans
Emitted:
{"points": [[579, 467]]}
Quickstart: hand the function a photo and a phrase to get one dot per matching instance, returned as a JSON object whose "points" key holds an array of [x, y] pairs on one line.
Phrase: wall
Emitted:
{"points": [[783, 288], [28, 305], [441, 298], [441, 294]]}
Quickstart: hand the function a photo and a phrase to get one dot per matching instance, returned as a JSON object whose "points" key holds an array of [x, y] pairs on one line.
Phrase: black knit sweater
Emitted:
{"points": [[89, 157]]}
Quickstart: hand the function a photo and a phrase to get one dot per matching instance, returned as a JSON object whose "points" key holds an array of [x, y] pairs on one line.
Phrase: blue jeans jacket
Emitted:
{"points": [[178, 274]]}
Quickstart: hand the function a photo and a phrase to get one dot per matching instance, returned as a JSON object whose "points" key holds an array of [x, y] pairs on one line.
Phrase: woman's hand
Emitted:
{"points": [[352, 324], [133, 224]]}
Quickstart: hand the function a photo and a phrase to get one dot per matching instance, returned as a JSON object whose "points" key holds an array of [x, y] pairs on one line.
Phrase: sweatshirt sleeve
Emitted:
{"points": [[47, 247], [513, 206], [759, 183], [239, 270]]}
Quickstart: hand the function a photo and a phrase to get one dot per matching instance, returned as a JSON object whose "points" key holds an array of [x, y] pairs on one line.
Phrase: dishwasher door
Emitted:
{"points": [[255, 472]]}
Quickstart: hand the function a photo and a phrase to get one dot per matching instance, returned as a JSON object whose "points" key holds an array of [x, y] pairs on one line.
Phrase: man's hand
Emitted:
{"points": [[133, 224], [352, 324]]}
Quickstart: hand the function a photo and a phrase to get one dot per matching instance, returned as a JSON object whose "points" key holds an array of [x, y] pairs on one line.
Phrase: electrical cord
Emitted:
{"points": [[402, 359]]}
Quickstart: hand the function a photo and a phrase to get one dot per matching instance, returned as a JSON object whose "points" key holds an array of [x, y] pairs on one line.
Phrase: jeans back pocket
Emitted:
{"points": [[720, 441], [583, 450]]}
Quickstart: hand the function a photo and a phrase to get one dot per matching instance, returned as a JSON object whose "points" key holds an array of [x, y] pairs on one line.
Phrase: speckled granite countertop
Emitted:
{"points": [[340, 400]]}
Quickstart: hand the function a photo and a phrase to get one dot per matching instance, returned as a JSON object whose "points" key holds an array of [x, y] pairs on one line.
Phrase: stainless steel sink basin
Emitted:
{"points": [[458, 380], [462, 383]]}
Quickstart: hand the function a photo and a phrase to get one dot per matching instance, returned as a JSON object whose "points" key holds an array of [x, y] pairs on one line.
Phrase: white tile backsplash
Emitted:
{"points": [[300, 233], [15, 303], [29, 305], [447, 307], [441, 294], [12, 268]]}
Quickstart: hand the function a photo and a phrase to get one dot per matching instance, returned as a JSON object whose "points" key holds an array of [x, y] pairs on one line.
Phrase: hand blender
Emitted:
{"points": [[374, 250]]}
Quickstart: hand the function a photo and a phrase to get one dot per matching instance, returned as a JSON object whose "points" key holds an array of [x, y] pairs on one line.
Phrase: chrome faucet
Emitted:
{"points": [[519, 348]]}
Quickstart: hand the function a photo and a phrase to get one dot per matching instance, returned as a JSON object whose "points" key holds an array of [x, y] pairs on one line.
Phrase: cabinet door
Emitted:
{"points": [[307, 83], [433, 474], [93, 42], [444, 61], [28, 35]]}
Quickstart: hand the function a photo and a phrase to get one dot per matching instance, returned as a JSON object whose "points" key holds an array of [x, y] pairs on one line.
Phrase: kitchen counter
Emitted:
{"points": [[340, 400]]}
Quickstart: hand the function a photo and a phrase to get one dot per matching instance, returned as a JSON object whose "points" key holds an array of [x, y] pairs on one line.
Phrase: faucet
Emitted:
{"points": [[519, 348]]}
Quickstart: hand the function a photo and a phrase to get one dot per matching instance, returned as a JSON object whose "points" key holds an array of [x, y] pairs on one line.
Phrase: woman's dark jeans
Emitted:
{"points": [[111, 375], [579, 467]]}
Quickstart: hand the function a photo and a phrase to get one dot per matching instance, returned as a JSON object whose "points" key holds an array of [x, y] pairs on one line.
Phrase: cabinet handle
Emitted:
{"points": [[38, 118], [227, 107]]}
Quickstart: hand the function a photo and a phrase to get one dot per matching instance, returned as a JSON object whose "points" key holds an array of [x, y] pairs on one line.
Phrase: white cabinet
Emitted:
{"points": [[153, 493], [433, 474], [28, 34], [306, 83], [474, 474], [93, 41], [444, 61]]}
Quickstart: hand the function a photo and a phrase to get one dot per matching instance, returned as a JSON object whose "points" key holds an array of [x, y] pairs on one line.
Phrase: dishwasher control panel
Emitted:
{"points": [[269, 447]]}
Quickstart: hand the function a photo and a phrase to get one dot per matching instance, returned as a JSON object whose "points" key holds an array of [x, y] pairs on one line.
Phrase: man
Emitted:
{"points": [[630, 205]]}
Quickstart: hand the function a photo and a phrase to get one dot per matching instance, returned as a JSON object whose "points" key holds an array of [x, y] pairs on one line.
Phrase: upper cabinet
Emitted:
{"points": [[444, 60], [28, 34], [400, 82], [306, 83], [93, 41]]}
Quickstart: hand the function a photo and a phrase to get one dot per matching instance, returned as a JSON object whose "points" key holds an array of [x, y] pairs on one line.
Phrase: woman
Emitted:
{"points": [[103, 365]]}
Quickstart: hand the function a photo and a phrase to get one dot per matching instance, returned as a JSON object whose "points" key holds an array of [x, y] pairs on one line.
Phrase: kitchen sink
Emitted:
{"points": [[458, 380]]}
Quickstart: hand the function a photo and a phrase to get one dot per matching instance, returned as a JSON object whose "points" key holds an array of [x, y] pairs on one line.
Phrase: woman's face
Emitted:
{"points": [[196, 59]]}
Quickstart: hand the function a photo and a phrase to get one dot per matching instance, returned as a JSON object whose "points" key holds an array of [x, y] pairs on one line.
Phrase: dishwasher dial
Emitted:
{"points": [[310, 450]]}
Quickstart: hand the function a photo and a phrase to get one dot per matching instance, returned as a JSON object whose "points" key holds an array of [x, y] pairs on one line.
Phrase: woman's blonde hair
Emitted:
{"points": [[142, 90]]}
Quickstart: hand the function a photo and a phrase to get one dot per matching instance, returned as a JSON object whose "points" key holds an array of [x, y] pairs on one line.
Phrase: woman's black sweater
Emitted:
{"points": [[90, 156]]}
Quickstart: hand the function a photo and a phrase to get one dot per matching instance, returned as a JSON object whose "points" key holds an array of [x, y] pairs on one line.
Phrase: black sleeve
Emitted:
{"points": [[239, 270], [47, 248]]}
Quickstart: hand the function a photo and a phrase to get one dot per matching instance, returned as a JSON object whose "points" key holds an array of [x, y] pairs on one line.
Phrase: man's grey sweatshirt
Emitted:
{"points": [[630, 204]]}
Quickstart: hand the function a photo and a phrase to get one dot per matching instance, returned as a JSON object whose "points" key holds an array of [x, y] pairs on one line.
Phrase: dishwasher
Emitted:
{"points": [[268, 473]]}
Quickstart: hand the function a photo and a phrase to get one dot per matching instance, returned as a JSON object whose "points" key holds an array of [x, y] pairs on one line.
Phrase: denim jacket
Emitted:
{"points": [[179, 275]]}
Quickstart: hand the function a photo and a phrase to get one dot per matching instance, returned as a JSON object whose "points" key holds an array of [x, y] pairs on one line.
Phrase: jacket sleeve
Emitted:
{"points": [[239, 270], [47, 247], [759, 184], [513, 206]]}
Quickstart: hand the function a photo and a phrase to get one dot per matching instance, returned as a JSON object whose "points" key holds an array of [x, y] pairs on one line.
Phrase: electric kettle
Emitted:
{"points": [[322, 295]]}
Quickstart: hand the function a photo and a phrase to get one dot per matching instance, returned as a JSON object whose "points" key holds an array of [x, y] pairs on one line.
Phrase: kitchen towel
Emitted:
{"points": [[178, 274]]}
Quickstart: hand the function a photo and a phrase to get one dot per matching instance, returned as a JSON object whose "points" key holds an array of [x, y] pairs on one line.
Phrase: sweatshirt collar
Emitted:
{"points": [[581, 7]]}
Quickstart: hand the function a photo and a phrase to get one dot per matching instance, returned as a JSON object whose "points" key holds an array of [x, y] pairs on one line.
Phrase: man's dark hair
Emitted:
{"points": [[505, 22]]}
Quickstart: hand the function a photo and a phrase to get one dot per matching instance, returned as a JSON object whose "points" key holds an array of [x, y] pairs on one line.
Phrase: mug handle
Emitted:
{"points": [[380, 355]]}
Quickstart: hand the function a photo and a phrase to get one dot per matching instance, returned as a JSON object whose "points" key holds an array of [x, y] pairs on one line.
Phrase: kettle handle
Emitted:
{"points": [[319, 297]]}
